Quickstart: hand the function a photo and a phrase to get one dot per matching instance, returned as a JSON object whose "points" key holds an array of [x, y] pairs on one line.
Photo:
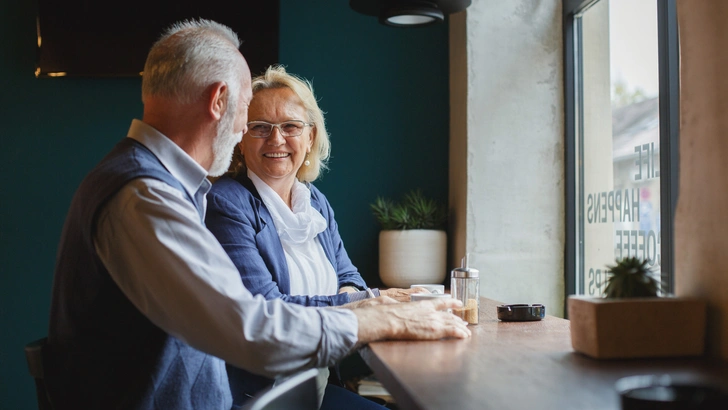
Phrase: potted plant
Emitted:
{"points": [[413, 242], [633, 321]]}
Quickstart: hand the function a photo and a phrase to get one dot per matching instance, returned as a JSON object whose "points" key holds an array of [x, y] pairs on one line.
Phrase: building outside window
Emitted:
{"points": [[621, 122]]}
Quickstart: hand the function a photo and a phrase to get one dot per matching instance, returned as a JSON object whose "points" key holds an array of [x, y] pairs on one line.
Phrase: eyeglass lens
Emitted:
{"points": [[260, 129]]}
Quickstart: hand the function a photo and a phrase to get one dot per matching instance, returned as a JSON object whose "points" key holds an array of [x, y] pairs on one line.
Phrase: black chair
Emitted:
{"points": [[296, 393], [34, 354]]}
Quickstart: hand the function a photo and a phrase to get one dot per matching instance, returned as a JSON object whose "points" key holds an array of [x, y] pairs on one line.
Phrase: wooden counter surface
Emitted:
{"points": [[515, 365]]}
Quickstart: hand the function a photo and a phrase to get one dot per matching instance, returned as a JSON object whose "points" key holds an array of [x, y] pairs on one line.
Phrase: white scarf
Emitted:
{"points": [[310, 272]]}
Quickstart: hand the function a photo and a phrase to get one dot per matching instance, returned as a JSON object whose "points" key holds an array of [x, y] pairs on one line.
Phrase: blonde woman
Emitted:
{"points": [[277, 227]]}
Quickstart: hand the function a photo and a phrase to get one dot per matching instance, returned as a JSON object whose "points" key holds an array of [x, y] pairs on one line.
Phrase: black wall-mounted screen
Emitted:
{"points": [[92, 38]]}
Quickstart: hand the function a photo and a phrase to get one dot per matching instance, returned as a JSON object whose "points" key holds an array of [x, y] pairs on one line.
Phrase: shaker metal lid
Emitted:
{"points": [[464, 271]]}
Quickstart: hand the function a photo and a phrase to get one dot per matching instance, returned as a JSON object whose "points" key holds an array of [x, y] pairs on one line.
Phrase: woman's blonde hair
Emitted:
{"points": [[277, 77]]}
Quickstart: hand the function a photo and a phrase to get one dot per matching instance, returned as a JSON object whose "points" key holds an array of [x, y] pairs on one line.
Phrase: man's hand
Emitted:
{"points": [[402, 295], [423, 320]]}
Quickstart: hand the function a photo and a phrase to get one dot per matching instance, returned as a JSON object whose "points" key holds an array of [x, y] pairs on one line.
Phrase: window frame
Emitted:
{"points": [[668, 60]]}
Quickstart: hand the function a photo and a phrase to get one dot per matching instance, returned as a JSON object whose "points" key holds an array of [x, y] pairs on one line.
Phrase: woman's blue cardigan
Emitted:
{"points": [[239, 219]]}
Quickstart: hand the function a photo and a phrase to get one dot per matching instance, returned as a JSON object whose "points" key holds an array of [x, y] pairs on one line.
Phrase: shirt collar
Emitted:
{"points": [[187, 171]]}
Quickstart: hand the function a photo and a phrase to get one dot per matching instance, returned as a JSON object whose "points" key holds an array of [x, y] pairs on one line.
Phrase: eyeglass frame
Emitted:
{"points": [[280, 131]]}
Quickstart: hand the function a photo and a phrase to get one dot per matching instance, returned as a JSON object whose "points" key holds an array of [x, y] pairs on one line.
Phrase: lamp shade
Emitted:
{"points": [[409, 13]]}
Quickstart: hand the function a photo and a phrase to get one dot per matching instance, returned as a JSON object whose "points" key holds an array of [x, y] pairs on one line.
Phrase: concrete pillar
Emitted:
{"points": [[506, 148]]}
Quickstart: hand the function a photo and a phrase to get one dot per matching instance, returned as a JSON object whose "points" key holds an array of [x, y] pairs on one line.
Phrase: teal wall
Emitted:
{"points": [[384, 91]]}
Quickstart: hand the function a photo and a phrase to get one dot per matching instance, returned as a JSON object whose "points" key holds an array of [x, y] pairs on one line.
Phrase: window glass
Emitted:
{"points": [[618, 138]]}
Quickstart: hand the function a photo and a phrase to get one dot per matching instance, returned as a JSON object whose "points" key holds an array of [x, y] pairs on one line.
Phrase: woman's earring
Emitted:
{"points": [[307, 162]]}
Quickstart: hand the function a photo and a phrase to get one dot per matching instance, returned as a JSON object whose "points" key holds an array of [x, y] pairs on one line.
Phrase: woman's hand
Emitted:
{"points": [[401, 295], [348, 289], [382, 300]]}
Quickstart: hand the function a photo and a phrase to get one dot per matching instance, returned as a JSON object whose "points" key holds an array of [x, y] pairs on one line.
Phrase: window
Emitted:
{"points": [[621, 137]]}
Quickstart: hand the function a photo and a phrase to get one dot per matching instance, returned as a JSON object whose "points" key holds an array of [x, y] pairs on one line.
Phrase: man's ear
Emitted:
{"points": [[217, 99]]}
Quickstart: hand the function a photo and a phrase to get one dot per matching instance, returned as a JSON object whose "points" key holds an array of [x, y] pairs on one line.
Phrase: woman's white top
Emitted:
{"points": [[310, 271]]}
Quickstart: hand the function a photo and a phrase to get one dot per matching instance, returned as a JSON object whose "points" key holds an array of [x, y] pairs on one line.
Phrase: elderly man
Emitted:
{"points": [[146, 304]]}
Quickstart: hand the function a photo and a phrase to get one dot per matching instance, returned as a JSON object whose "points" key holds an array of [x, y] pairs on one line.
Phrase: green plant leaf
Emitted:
{"points": [[414, 212], [631, 278], [382, 209]]}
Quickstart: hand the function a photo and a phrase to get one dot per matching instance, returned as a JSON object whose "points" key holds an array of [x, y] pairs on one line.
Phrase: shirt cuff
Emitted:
{"points": [[356, 296], [340, 329]]}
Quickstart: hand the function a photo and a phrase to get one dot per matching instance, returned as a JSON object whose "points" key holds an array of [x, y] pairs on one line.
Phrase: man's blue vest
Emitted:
{"points": [[103, 352]]}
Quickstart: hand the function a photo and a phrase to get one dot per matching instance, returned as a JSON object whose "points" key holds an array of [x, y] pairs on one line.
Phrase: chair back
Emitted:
{"points": [[34, 352], [299, 392]]}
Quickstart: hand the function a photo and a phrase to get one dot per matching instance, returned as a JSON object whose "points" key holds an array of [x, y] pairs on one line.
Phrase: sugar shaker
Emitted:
{"points": [[465, 286]]}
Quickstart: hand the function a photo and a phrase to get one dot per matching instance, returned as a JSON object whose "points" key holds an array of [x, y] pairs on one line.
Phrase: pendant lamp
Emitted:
{"points": [[409, 13]]}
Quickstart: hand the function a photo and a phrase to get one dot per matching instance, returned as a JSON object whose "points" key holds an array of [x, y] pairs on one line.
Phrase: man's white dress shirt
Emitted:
{"points": [[155, 247]]}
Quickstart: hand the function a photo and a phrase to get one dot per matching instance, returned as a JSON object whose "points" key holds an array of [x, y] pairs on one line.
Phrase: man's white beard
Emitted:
{"points": [[224, 144]]}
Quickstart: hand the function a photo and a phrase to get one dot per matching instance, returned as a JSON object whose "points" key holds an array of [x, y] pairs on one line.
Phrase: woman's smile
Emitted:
{"points": [[276, 155]]}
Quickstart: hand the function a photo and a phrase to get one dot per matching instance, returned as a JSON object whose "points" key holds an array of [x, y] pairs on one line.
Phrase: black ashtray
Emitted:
{"points": [[521, 312], [660, 392]]}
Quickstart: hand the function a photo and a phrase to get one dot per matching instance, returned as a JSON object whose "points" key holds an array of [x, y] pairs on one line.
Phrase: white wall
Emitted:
{"points": [[506, 148]]}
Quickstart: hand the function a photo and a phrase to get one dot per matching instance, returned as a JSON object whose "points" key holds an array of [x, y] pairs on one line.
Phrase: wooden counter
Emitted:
{"points": [[515, 365]]}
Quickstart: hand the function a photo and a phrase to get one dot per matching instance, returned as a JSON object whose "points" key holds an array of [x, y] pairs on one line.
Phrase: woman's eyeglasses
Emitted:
{"points": [[262, 129]]}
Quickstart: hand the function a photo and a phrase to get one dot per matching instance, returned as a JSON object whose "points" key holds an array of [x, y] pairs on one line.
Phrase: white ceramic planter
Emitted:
{"points": [[407, 257]]}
